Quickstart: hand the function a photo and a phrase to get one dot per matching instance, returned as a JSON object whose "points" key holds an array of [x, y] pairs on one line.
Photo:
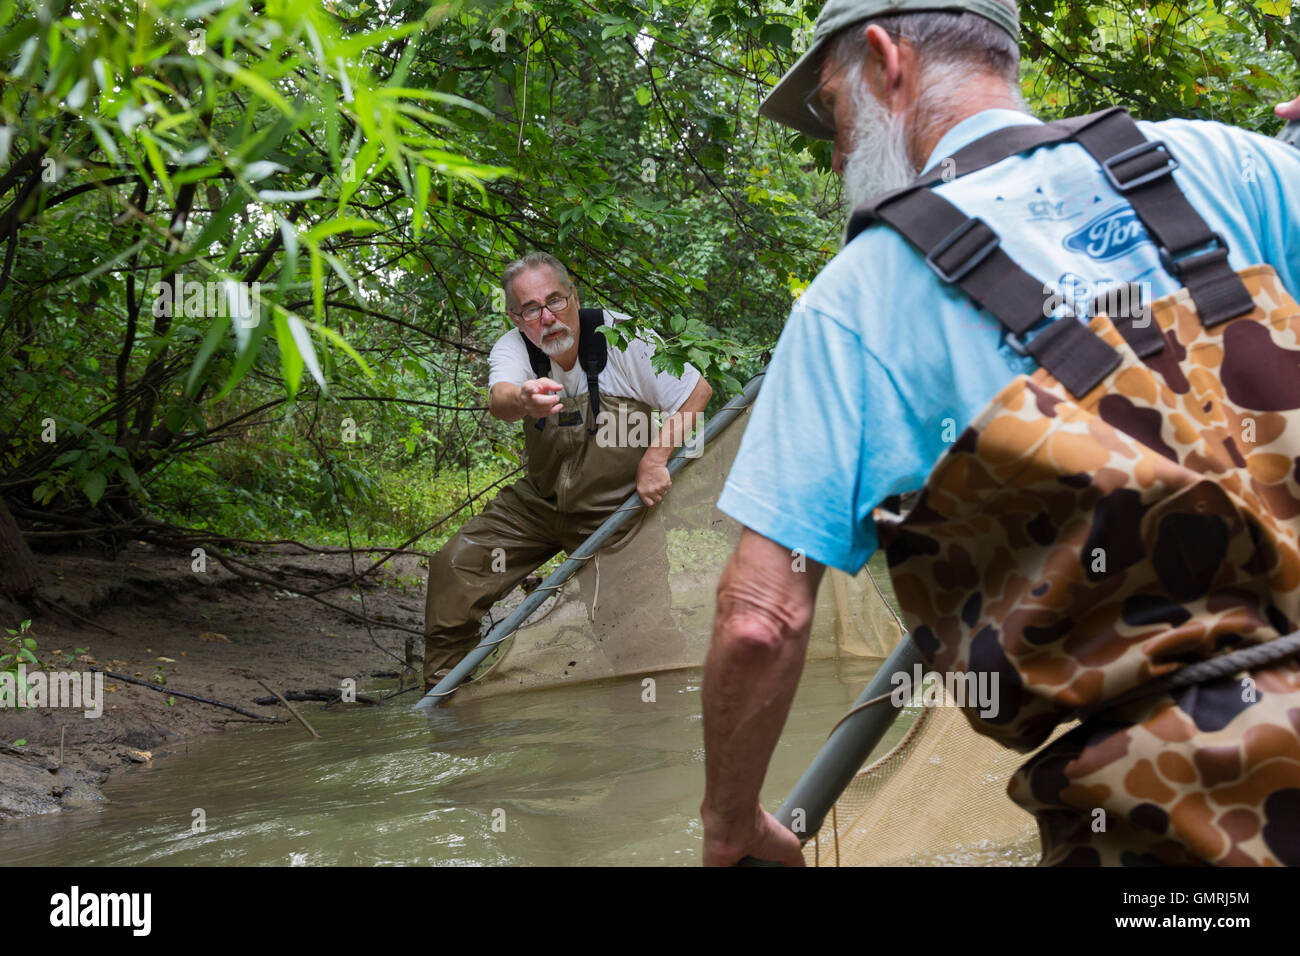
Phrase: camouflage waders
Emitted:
{"points": [[573, 484], [1128, 511]]}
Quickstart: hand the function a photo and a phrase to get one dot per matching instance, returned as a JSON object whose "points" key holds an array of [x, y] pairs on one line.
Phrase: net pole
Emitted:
{"points": [[845, 751], [613, 524]]}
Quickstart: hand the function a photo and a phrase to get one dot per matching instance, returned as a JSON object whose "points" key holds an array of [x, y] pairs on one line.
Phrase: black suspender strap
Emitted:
{"points": [[1139, 169], [1132, 318], [985, 151], [967, 252], [593, 352], [1010, 141]]}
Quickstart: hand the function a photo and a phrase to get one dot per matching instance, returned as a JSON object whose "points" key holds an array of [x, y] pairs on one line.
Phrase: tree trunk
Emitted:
{"points": [[19, 577]]}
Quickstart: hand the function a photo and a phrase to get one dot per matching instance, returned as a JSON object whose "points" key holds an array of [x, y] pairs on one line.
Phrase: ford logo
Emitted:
{"points": [[1108, 236]]}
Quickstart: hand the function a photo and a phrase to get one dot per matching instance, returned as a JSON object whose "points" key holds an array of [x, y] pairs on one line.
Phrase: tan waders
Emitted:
{"points": [[575, 481]]}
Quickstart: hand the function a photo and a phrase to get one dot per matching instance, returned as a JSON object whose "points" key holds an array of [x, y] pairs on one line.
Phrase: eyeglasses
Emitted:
{"points": [[814, 105], [554, 305]]}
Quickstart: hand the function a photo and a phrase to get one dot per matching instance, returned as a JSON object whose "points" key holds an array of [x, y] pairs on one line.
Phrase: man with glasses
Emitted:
{"points": [[578, 471], [910, 349]]}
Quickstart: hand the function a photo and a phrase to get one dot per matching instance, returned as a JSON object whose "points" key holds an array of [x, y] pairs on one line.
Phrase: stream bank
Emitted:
{"points": [[212, 633]]}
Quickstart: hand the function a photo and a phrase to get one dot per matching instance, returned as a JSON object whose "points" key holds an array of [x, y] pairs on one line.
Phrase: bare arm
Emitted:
{"points": [[1288, 111], [535, 398], [760, 636], [652, 478]]}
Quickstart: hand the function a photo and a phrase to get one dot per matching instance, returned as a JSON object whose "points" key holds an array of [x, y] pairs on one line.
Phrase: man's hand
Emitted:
{"points": [[764, 839], [652, 480], [1288, 111], [537, 397]]}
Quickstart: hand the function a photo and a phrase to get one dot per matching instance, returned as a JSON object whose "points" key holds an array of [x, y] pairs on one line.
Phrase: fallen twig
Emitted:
{"points": [[326, 696], [292, 709], [181, 693], [399, 693]]}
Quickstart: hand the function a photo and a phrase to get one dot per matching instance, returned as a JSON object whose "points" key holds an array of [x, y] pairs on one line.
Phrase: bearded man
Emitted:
{"points": [[587, 409], [1094, 515]]}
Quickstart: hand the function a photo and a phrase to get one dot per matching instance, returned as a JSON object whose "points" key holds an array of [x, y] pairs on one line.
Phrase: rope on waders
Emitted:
{"points": [[1246, 658], [1225, 665]]}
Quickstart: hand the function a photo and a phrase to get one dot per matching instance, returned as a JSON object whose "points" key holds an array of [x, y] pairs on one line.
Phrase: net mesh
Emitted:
{"points": [[645, 603], [935, 792]]}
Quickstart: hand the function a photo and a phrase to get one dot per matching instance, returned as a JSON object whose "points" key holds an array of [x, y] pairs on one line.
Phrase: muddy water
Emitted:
{"points": [[587, 774]]}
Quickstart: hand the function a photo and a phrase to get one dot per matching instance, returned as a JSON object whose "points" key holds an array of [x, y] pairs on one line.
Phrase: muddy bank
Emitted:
{"points": [[212, 633]]}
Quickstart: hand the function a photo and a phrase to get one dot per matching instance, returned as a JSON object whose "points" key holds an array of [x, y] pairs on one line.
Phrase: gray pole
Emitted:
{"points": [[613, 524], [848, 746]]}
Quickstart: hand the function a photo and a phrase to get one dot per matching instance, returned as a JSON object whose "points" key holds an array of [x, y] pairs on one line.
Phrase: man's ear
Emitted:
{"points": [[888, 68]]}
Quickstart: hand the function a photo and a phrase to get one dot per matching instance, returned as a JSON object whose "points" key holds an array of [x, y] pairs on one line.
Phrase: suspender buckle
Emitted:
{"points": [[1016, 342], [1176, 262], [960, 269], [1142, 178]]}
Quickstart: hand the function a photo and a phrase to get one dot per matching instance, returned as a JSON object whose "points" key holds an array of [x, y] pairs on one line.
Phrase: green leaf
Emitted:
{"points": [[290, 359], [777, 34], [216, 334], [302, 339], [333, 226], [643, 96], [93, 485]]}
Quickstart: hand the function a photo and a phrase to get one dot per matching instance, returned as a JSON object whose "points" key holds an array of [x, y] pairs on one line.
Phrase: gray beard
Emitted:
{"points": [[879, 160], [558, 346]]}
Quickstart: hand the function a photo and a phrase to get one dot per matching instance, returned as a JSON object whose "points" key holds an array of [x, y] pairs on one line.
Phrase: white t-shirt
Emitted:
{"points": [[627, 372]]}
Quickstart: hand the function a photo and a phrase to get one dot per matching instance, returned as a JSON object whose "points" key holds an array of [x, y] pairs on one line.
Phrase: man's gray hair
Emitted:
{"points": [[944, 41], [532, 261]]}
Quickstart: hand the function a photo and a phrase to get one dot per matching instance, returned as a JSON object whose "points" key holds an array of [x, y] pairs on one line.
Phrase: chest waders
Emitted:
{"points": [[581, 465], [1114, 537]]}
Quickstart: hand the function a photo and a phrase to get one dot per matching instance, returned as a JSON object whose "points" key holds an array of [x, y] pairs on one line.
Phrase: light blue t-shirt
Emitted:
{"points": [[881, 365]]}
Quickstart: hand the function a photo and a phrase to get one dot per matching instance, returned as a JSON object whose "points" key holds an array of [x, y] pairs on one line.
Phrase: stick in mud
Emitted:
{"points": [[293, 710], [181, 693]]}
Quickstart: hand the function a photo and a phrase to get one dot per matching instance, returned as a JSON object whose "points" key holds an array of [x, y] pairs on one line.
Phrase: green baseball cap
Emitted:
{"points": [[785, 104]]}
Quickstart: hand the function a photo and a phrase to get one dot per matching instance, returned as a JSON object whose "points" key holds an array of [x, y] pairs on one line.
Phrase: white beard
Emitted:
{"points": [[879, 160], [558, 345]]}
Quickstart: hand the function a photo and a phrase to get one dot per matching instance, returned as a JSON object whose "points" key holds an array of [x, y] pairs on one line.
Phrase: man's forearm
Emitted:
{"points": [[760, 638], [678, 425], [505, 402]]}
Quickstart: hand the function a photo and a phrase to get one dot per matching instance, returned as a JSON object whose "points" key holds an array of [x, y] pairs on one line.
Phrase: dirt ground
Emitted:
{"points": [[209, 633]]}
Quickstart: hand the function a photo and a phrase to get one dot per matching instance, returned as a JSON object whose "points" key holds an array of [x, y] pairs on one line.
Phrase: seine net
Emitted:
{"points": [[936, 792], [644, 603]]}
